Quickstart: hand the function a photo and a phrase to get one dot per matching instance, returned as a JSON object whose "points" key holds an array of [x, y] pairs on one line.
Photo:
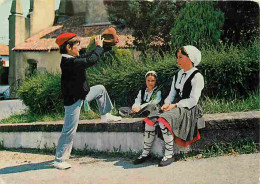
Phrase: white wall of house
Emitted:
{"points": [[46, 61]]}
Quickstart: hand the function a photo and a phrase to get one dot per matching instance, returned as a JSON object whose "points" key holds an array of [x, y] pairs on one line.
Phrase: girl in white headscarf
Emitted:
{"points": [[180, 117]]}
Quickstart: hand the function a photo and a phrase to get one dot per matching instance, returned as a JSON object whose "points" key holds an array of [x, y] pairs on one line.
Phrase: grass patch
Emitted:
{"points": [[45, 151], [236, 104], [31, 117], [117, 152], [243, 146]]}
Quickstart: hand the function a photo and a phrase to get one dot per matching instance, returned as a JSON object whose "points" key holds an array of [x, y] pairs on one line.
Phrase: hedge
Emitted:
{"points": [[227, 71]]}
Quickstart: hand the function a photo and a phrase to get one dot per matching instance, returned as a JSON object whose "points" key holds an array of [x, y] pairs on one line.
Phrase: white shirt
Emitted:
{"points": [[67, 56], [197, 84], [147, 96]]}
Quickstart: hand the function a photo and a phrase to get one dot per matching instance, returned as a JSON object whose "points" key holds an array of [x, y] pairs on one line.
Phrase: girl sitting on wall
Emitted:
{"points": [[147, 99]]}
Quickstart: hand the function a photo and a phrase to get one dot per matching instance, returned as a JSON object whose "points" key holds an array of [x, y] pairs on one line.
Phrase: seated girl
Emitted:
{"points": [[147, 99]]}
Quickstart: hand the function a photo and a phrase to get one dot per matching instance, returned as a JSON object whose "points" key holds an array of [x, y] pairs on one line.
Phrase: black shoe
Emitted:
{"points": [[166, 162], [141, 160]]}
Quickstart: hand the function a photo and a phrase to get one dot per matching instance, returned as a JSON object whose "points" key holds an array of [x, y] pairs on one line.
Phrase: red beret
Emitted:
{"points": [[62, 38]]}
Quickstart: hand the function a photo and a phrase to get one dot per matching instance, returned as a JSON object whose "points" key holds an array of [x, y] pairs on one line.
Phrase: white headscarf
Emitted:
{"points": [[153, 72], [194, 54]]}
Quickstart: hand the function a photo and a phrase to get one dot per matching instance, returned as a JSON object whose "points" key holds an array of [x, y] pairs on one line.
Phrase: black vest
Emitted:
{"points": [[186, 88]]}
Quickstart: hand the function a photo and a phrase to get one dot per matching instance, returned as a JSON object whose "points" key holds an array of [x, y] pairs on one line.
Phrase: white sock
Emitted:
{"points": [[106, 115]]}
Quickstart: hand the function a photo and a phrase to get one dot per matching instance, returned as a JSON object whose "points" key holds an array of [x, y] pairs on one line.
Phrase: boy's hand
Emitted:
{"points": [[99, 41]]}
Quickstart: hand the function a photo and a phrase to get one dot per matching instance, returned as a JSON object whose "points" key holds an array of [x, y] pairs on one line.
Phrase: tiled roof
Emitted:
{"points": [[4, 50], [35, 43], [45, 40], [49, 44]]}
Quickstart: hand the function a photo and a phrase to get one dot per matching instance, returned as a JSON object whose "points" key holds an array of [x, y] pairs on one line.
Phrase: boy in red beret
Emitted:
{"points": [[75, 89]]}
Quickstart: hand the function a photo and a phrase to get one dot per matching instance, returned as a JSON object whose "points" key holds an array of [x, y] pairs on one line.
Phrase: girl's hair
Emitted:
{"points": [[70, 42], [182, 51]]}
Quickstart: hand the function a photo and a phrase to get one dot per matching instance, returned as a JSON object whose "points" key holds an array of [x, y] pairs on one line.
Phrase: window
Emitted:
{"points": [[32, 67]]}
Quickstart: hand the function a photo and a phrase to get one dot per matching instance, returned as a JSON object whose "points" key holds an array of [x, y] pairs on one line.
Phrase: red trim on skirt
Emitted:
{"points": [[148, 121], [178, 141]]}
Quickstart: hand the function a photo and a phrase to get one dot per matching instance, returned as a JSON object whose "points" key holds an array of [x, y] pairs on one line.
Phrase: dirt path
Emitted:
{"points": [[27, 168]]}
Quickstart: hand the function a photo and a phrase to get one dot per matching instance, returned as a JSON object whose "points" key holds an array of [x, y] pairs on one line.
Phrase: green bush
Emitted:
{"points": [[42, 93], [228, 71]]}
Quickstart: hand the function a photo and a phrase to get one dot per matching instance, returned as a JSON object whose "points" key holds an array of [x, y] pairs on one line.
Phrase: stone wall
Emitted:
{"points": [[127, 135]]}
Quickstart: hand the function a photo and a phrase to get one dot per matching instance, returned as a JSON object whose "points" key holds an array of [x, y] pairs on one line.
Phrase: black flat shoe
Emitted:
{"points": [[141, 160], [166, 162]]}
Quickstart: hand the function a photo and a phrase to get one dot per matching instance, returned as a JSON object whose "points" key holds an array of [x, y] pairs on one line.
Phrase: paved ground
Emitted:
{"points": [[26, 168]]}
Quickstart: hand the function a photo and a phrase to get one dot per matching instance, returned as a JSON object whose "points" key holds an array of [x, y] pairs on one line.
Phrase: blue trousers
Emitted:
{"points": [[71, 121]]}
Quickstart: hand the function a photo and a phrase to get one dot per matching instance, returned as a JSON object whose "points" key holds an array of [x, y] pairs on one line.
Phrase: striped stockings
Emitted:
{"points": [[149, 135], [168, 141]]}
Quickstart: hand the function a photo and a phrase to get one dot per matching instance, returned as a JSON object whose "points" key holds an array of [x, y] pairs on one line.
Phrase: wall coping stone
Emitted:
{"points": [[234, 120]]}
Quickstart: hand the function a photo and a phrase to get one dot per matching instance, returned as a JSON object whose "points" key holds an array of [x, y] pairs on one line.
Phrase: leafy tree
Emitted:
{"points": [[241, 20], [198, 24], [150, 22]]}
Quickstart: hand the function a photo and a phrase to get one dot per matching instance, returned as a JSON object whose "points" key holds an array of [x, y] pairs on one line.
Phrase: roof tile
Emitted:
{"points": [[4, 50]]}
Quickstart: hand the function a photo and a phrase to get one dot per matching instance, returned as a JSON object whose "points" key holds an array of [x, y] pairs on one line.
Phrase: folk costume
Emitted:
{"points": [[147, 100], [180, 124]]}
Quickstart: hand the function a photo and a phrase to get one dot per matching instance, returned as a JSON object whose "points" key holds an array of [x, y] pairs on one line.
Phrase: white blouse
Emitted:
{"points": [[67, 56], [197, 84], [147, 96]]}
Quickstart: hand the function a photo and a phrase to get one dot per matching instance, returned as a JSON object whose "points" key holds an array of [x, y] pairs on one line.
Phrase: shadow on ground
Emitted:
{"points": [[130, 165], [27, 167], [126, 163]]}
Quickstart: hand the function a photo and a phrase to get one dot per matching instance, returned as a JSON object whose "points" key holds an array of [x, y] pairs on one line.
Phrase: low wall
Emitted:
{"points": [[126, 135]]}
